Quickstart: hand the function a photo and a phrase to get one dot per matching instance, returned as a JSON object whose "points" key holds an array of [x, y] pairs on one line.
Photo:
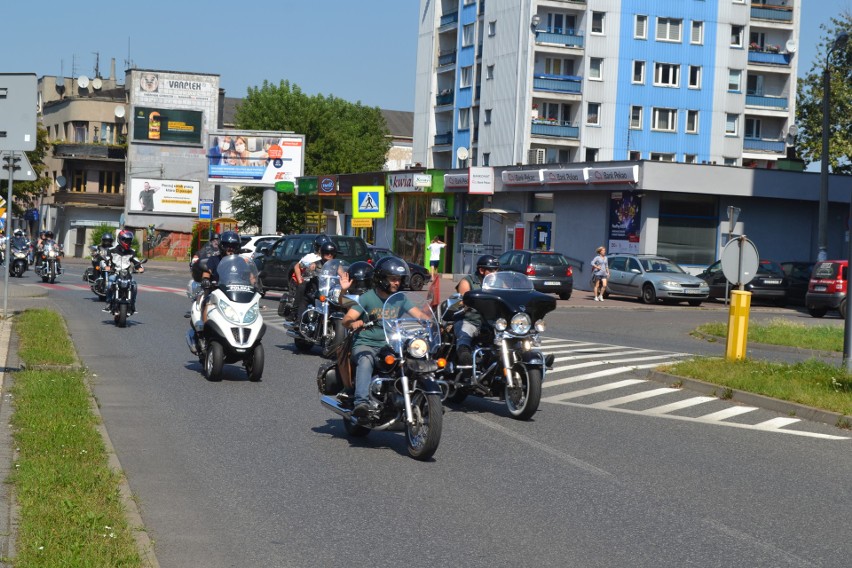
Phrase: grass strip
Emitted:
{"points": [[43, 339], [70, 508], [783, 332]]}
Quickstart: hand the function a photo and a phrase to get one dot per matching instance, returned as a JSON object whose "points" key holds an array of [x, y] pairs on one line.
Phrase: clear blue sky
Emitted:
{"points": [[358, 50]]}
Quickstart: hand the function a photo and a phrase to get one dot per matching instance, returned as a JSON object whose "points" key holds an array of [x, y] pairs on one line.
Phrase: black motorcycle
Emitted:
{"points": [[97, 275], [507, 362], [322, 322], [18, 261], [404, 387], [122, 293], [47, 263]]}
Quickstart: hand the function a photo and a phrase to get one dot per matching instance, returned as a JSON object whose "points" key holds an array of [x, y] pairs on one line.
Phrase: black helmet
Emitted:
{"points": [[319, 241], [328, 248], [390, 266], [230, 240], [106, 240], [361, 275], [488, 262], [214, 239], [48, 234]]}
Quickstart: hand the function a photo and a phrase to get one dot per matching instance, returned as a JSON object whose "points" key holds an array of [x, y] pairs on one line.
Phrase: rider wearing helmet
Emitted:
{"points": [[102, 252], [390, 273], [123, 248], [19, 241], [210, 248], [308, 267], [467, 328], [229, 244], [361, 276]]}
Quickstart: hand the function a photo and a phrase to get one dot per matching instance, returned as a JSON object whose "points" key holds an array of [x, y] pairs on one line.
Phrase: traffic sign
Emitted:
{"points": [[18, 106], [285, 187], [740, 261], [21, 168], [368, 201], [205, 209]]}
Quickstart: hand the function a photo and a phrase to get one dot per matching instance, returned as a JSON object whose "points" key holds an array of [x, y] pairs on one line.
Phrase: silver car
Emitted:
{"points": [[651, 278]]}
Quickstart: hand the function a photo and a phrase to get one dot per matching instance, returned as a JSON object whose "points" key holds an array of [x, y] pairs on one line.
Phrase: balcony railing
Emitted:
{"points": [[759, 145], [549, 128], [89, 151], [445, 99], [769, 58], [558, 83], [443, 139], [780, 103], [566, 39], [447, 58], [771, 12], [451, 18]]}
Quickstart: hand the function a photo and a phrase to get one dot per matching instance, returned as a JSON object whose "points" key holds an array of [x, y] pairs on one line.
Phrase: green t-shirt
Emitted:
{"points": [[374, 307]]}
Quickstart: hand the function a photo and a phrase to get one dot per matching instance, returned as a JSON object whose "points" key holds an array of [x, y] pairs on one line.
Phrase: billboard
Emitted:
{"points": [[167, 126], [164, 196], [255, 158], [625, 222]]}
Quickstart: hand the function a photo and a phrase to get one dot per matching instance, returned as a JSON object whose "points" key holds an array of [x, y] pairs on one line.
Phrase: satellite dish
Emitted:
{"points": [[119, 111], [97, 83], [462, 153], [82, 81], [60, 181], [791, 46]]}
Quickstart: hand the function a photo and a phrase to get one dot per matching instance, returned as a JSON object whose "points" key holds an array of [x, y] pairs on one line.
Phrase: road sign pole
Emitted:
{"points": [[10, 164]]}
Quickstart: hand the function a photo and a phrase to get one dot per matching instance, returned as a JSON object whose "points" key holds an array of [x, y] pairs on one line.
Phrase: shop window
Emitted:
{"points": [[472, 220], [410, 230], [688, 228]]}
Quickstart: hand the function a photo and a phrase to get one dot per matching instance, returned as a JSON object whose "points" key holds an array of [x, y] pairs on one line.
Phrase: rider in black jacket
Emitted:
{"points": [[123, 248]]}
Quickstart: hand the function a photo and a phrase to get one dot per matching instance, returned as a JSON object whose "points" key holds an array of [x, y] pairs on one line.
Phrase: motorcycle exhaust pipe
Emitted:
{"points": [[333, 404]]}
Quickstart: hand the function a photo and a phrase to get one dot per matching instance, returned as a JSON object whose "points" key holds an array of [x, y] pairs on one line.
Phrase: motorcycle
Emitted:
{"points": [[47, 264], [122, 289], [97, 275], [234, 326], [18, 262], [322, 322], [507, 362], [404, 387]]}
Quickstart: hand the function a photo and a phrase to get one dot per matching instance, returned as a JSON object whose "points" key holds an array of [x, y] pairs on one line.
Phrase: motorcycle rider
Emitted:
{"points": [[360, 277], [44, 238], [229, 243], [327, 250], [388, 276], [123, 248], [468, 327], [19, 241], [210, 248]]}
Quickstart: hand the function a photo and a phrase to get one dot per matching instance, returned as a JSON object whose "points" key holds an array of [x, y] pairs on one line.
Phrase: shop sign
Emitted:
{"points": [[362, 223], [523, 177], [422, 180], [481, 181], [402, 183], [456, 180], [620, 174], [563, 177], [327, 184]]}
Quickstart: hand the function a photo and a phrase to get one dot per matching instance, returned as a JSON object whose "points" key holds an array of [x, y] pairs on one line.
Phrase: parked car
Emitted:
{"points": [[420, 275], [549, 271], [251, 243], [768, 285], [798, 277], [651, 278], [827, 288], [275, 264]]}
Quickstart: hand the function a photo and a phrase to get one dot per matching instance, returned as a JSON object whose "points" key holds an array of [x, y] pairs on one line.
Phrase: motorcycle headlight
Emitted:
{"points": [[418, 348], [540, 326], [230, 313], [500, 324], [520, 324], [251, 314]]}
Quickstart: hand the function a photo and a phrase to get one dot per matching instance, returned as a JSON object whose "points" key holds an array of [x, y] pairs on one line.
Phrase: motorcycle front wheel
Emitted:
{"points": [[214, 361], [254, 363], [424, 435], [523, 399], [121, 316], [332, 342]]}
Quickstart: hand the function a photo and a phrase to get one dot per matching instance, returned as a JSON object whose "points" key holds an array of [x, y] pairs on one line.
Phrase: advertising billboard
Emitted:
{"points": [[164, 196], [167, 126], [255, 158], [625, 222]]}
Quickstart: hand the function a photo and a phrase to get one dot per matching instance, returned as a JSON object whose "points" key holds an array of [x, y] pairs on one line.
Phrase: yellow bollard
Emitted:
{"points": [[738, 325]]}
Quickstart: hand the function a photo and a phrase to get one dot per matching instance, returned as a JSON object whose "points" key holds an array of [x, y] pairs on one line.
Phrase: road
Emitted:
{"points": [[611, 471]]}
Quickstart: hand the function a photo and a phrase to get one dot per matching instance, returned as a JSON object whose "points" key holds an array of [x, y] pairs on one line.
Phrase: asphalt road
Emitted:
{"points": [[258, 474]]}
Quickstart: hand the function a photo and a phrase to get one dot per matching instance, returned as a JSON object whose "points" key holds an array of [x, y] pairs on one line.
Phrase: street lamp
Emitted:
{"points": [[822, 244]]}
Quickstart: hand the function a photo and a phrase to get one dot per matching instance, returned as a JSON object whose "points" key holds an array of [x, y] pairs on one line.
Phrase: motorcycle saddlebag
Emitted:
{"points": [[328, 381]]}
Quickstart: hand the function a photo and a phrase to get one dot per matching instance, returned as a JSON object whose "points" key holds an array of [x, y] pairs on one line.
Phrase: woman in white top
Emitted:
{"points": [[435, 255]]}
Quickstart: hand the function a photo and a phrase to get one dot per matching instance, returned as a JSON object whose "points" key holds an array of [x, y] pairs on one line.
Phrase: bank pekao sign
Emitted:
{"points": [[409, 182], [573, 176]]}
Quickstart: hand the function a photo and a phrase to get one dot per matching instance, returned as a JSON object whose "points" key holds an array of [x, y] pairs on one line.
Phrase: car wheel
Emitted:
{"points": [[649, 294], [817, 312], [694, 303], [842, 309], [416, 282], [564, 295]]}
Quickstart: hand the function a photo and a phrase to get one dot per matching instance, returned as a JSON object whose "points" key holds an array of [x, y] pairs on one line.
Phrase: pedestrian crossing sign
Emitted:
{"points": [[368, 202]]}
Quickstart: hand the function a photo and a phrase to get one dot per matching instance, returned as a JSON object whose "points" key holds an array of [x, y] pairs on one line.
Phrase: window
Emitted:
{"points": [[639, 72], [690, 159], [692, 121], [688, 227], [736, 36], [78, 180], [757, 39], [735, 79], [665, 119], [730, 161], [598, 22], [558, 66], [468, 35], [669, 29], [109, 182], [634, 156], [731, 122], [697, 36], [492, 29], [486, 158], [660, 157], [489, 72], [591, 154], [694, 76], [640, 27], [596, 68], [465, 77], [80, 132], [754, 85], [666, 75], [636, 117], [752, 128], [593, 114], [488, 116], [464, 118]]}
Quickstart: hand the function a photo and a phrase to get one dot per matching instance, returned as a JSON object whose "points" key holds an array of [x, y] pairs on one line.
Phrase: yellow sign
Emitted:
{"points": [[362, 223], [368, 201]]}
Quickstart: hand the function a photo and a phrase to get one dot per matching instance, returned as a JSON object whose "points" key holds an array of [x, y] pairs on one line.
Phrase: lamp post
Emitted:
{"points": [[822, 244]]}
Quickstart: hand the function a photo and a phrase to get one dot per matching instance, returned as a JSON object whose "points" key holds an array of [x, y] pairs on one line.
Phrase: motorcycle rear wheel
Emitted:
{"points": [[254, 363], [214, 361], [121, 316], [523, 400], [424, 435]]}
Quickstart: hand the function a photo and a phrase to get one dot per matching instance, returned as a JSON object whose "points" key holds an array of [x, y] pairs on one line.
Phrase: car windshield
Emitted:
{"points": [[548, 259], [660, 265], [507, 280]]}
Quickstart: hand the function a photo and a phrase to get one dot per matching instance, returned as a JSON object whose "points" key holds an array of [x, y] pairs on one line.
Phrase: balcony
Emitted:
{"points": [[544, 127], [451, 18], [558, 83], [560, 38], [81, 151], [447, 58], [88, 198], [769, 58], [760, 145], [772, 12], [443, 139], [775, 103], [445, 98]]}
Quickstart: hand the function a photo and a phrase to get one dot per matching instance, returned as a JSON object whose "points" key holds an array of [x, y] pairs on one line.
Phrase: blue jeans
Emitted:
{"points": [[465, 331], [364, 358], [111, 290]]}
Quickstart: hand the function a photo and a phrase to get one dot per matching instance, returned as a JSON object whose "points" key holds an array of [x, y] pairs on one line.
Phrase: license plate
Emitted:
{"points": [[772, 282], [551, 283], [692, 291], [819, 288]]}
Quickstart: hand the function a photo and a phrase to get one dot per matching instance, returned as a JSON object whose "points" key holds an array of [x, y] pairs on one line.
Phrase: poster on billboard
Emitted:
{"points": [[167, 126], [625, 222], [255, 158], [164, 196]]}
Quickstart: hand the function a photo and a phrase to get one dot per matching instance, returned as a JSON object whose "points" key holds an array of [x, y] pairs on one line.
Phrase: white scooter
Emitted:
{"points": [[234, 324]]}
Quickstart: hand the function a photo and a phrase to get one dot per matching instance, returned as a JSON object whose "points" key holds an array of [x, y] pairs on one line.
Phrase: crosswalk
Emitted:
{"points": [[609, 377]]}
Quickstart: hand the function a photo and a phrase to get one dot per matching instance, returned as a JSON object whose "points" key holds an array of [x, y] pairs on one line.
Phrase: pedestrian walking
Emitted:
{"points": [[435, 255], [600, 273]]}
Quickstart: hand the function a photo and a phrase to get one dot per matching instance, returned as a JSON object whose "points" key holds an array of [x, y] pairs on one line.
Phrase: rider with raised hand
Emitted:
{"points": [[389, 274], [327, 250], [468, 327], [123, 248]]}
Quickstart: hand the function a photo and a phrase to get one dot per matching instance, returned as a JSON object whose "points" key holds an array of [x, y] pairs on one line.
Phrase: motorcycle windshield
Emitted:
{"points": [[237, 278], [329, 278], [401, 325], [507, 281], [51, 249]]}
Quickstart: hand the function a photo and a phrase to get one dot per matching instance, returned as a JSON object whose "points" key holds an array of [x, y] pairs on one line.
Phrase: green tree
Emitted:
{"points": [[809, 101], [26, 192], [247, 209]]}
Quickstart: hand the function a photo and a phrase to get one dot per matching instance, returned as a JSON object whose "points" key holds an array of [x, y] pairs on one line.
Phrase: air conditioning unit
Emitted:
{"points": [[536, 156], [438, 207]]}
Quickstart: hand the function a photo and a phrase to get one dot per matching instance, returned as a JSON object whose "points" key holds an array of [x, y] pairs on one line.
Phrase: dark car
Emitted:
{"points": [[768, 285], [798, 276], [419, 274], [549, 271], [275, 264], [827, 288], [650, 278]]}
